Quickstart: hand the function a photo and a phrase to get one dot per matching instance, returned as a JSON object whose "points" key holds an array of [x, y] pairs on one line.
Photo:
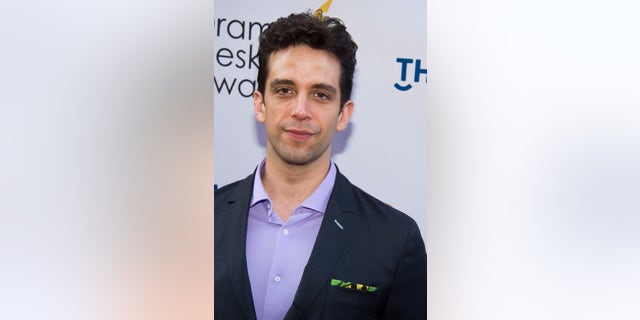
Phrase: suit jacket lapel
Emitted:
{"points": [[328, 247], [236, 242]]}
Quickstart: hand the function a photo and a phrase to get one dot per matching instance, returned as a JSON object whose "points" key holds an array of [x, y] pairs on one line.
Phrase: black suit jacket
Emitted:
{"points": [[374, 245]]}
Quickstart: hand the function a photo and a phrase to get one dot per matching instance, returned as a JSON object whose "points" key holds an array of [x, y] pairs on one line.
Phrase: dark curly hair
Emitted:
{"points": [[329, 34]]}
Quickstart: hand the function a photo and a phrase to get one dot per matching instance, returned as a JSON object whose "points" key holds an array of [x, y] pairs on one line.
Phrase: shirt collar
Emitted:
{"points": [[259, 194], [317, 201]]}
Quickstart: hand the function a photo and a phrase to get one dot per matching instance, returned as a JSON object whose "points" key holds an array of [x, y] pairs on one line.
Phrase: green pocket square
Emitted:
{"points": [[352, 286]]}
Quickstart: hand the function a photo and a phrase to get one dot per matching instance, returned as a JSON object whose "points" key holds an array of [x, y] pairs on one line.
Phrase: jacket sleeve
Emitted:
{"points": [[408, 296]]}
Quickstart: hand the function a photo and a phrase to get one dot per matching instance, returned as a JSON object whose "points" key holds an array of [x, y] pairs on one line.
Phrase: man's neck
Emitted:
{"points": [[289, 185]]}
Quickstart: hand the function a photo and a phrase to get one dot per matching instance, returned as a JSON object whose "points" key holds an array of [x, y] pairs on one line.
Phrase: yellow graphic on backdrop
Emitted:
{"points": [[324, 8]]}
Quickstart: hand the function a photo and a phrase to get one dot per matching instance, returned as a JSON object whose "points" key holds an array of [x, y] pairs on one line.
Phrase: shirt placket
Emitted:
{"points": [[281, 278]]}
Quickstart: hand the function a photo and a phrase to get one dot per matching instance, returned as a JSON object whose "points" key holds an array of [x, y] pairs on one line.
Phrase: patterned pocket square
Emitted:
{"points": [[352, 286]]}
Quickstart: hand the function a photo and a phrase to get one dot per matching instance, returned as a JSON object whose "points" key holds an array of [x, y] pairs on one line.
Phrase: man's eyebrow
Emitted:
{"points": [[326, 87], [280, 82]]}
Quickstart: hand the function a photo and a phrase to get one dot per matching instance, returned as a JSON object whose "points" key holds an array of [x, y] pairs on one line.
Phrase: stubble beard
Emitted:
{"points": [[299, 156]]}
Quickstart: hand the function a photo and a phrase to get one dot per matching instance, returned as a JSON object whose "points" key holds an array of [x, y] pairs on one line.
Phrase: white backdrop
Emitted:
{"points": [[383, 151], [534, 159]]}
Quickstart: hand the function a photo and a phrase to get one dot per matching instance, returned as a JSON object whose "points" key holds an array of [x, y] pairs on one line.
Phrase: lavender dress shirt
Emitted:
{"points": [[277, 251]]}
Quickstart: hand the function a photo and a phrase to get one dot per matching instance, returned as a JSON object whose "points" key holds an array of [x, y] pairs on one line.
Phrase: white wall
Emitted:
{"points": [[106, 174], [534, 160]]}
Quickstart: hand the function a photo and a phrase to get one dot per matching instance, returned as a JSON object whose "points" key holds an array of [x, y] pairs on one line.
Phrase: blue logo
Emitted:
{"points": [[417, 71]]}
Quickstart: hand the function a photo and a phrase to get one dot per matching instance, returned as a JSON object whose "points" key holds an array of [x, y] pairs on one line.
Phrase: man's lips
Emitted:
{"points": [[299, 134]]}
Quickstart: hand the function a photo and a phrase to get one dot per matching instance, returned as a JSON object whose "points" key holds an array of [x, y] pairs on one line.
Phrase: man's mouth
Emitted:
{"points": [[299, 134]]}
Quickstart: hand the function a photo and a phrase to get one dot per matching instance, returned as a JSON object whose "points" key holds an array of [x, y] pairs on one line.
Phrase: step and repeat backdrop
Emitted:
{"points": [[383, 150]]}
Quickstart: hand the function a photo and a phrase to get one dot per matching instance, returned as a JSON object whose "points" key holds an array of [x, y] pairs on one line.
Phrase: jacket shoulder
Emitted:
{"points": [[371, 208], [233, 191]]}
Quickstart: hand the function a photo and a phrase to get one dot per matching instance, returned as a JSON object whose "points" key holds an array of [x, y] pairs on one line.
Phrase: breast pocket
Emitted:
{"points": [[344, 303]]}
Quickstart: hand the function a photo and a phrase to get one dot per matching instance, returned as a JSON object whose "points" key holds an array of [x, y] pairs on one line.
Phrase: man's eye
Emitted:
{"points": [[322, 96], [283, 91]]}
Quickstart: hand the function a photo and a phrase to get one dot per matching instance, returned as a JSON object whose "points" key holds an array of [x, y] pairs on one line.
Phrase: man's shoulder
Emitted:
{"points": [[229, 190], [377, 222], [373, 208]]}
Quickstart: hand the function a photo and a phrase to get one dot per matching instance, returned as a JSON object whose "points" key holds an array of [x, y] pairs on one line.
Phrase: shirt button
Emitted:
{"points": [[277, 278], [286, 232]]}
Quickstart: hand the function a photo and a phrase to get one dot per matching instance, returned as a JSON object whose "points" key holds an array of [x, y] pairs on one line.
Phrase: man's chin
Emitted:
{"points": [[299, 159]]}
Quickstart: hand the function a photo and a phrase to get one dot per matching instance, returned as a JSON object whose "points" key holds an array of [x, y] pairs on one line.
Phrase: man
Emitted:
{"points": [[296, 240]]}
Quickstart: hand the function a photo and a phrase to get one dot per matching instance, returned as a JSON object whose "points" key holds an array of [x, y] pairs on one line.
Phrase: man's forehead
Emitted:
{"points": [[292, 54], [303, 64]]}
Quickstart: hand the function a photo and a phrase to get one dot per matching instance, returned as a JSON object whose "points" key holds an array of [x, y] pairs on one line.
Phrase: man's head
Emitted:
{"points": [[304, 88], [328, 34]]}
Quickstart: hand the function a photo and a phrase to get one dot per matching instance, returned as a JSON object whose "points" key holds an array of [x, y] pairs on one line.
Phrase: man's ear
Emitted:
{"points": [[345, 115], [258, 106]]}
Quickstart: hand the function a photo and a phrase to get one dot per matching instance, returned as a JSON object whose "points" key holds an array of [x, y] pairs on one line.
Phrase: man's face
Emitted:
{"points": [[301, 105]]}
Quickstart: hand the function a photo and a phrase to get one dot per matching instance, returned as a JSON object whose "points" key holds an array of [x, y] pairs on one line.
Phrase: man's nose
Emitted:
{"points": [[301, 108]]}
